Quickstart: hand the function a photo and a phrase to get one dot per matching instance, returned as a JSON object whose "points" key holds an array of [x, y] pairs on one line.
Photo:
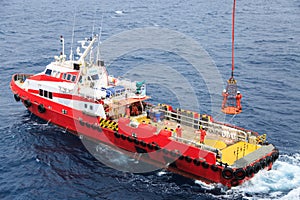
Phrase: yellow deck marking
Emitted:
{"points": [[237, 151], [215, 143], [230, 152]]}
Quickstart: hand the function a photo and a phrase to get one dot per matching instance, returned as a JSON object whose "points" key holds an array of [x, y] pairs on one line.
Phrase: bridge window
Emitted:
{"points": [[64, 76], [69, 77], [73, 78], [45, 93], [48, 72], [95, 77]]}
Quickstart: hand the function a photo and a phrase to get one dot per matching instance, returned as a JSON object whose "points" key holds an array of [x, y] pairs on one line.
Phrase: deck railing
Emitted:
{"points": [[201, 146], [214, 128], [21, 77]]}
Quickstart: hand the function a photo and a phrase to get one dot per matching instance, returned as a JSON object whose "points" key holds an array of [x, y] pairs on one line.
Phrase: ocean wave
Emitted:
{"points": [[282, 182]]}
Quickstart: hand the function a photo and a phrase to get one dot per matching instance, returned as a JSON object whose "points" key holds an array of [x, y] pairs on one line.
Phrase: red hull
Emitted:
{"points": [[184, 160]]}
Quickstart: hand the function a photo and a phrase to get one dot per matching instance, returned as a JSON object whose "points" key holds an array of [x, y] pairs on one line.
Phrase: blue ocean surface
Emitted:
{"points": [[41, 161]]}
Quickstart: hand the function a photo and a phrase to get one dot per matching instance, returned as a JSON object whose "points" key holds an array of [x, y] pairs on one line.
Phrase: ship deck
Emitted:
{"points": [[232, 150]]}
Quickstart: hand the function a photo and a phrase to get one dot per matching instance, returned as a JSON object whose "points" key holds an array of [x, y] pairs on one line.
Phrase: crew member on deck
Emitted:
{"points": [[225, 96], [178, 130], [238, 98], [134, 110], [202, 135]]}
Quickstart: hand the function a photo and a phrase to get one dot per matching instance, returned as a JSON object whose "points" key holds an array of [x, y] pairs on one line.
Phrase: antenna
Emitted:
{"points": [[73, 33], [94, 23], [62, 40], [99, 38]]}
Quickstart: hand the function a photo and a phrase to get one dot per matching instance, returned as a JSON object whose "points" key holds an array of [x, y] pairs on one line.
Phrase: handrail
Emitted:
{"points": [[21, 76], [219, 129], [202, 146]]}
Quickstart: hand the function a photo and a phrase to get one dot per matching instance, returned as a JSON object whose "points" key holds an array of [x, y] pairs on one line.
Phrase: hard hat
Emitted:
{"points": [[238, 92], [224, 90]]}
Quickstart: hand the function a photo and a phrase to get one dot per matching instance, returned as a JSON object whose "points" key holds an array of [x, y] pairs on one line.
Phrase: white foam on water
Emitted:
{"points": [[109, 154], [205, 185], [294, 194], [119, 12], [161, 173], [283, 181]]}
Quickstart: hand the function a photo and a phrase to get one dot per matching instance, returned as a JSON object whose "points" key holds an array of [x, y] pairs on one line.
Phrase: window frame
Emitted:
{"points": [[73, 78], [41, 92], [48, 72]]}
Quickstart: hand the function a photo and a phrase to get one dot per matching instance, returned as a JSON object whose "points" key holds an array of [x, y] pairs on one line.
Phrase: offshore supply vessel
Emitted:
{"points": [[80, 96]]}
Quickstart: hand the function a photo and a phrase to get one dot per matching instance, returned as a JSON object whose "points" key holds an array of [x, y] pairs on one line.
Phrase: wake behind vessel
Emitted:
{"points": [[80, 96]]}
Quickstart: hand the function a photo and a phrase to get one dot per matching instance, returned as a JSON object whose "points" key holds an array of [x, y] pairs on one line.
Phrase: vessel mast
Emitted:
{"points": [[87, 50]]}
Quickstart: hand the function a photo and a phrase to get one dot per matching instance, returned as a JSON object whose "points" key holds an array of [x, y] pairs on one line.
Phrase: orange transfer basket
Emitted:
{"points": [[231, 110], [230, 106]]}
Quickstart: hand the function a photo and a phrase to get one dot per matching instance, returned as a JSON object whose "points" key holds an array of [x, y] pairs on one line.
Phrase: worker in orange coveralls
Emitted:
{"points": [[202, 134], [134, 110], [238, 98], [225, 96], [178, 131]]}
